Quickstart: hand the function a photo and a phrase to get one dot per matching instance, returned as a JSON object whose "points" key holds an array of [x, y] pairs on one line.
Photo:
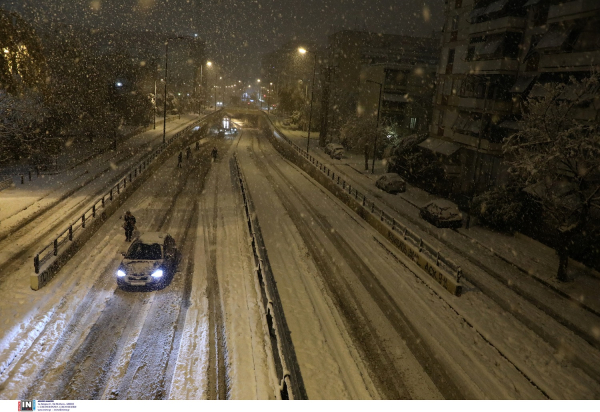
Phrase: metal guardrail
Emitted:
{"points": [[287, 371], [52, 249], [424, 247]]}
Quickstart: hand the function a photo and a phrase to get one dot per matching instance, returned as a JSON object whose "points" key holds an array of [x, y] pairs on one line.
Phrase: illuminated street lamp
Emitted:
{"points": [[302, 50]]}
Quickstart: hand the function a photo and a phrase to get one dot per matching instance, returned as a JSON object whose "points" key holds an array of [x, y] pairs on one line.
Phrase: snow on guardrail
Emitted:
{"points": [[430, 259], [287, 370]]}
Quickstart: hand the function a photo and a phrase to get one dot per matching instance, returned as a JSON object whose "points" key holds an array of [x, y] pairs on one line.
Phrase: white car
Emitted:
{"points": [[442, 213], [391, 183], [334, 150], [150, 260]]}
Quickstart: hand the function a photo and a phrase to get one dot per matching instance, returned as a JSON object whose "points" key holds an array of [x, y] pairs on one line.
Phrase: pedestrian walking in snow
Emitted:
{"points": [[214, 154], [188, 152], [179, 159], [128, 225], [197, 145]]}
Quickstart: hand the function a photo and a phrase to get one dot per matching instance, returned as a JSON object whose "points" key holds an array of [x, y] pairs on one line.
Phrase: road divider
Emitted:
{"points": [[287, 370], [430, 259]]}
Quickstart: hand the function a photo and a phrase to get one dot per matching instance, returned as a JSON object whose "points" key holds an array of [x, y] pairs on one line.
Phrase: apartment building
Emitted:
{"points": [[494, 54], [403, 67]]}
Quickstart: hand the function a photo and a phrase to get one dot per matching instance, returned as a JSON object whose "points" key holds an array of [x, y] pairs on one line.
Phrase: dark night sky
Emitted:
{"points": [[237, 32]]}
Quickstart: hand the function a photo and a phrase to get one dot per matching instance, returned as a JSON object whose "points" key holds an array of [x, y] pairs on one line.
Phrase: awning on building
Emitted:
{"points": [[522, 84], [439, 146], [554, 38], [496, 6], [399, 98]]}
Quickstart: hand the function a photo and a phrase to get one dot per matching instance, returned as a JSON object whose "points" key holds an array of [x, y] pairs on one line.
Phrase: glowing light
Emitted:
{"points": [[301, 50], [209, 64]]}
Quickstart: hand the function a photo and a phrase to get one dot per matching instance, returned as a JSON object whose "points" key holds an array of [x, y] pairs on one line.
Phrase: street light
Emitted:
{"points": [[312, 93], [377, 126]]}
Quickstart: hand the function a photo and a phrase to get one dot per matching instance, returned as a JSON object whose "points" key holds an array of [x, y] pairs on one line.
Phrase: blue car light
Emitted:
{"points": [[157, 274], [120, 273]]}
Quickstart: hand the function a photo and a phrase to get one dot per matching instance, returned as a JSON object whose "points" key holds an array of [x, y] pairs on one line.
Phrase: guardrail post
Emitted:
{"points": [[71, 232], [393, 224], [135, 172], [343, 184], [437, 258], [125, 183], [111, 195], [119, 188], [372, 207], [102, 202], [328, 172], [420, 245], [404, 235], [83, 221], [130, 176], [55, 247], [364, 200], [36, 263], [458, 274], [338, 182], [381, 216], [94, 211]]}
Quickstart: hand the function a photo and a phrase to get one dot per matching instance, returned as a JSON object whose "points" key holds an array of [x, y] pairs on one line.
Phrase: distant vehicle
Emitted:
{"points": [[442, 213], [391, 183], [334, 150], [286, 122], [150, 260]]}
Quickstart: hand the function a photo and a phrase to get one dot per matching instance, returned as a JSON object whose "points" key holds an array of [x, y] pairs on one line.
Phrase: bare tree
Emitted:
{"points": [[556, 155]]}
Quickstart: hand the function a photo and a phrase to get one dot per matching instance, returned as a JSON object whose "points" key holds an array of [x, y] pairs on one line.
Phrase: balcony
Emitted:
{"points": [[572, 10], [497, 25], [490, 105], [486, 145], [565, 61], [493, 66]]}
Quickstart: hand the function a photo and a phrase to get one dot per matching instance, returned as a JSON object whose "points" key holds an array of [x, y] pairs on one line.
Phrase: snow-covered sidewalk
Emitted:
{"points": [[527, 266], [21, 202]]}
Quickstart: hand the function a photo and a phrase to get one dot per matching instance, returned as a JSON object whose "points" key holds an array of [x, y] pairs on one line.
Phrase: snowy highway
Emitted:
{"points": [[363, 322]]}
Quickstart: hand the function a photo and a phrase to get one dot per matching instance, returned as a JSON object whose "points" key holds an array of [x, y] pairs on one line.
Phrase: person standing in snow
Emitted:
{"points": [[214, 153], [179, 159], [128, 225], [188, 152]]}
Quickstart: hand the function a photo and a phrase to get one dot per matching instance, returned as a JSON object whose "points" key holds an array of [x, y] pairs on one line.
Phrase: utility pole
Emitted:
{"points": [[377, 126], [476, 160]]}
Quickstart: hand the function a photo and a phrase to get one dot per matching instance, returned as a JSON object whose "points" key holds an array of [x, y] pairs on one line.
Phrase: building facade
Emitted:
{"points": [[403, 67], [494, 54]]}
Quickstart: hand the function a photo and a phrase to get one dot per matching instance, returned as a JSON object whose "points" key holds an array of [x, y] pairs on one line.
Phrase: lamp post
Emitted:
{"points": [[377, 125], [312, 93], [166, 79]]}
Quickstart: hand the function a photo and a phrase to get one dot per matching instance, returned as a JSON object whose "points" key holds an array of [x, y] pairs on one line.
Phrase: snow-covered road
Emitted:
{"points": [[363, 323]]}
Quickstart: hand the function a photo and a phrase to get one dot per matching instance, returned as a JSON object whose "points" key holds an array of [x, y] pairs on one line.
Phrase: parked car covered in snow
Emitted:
{"points": [[391, 183], [149, 261], [442, 213], [334, 150]]}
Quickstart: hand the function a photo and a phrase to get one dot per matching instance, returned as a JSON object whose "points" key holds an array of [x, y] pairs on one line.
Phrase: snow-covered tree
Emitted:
{"points": [[556, 156], [362, 133]]}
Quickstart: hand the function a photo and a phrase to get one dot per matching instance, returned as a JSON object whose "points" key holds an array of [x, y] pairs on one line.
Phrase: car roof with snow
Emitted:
{"points": [[153, 237]]}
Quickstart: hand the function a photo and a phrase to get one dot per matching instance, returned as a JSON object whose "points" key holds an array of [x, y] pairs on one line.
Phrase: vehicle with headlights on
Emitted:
{"points": [[151, 259]]}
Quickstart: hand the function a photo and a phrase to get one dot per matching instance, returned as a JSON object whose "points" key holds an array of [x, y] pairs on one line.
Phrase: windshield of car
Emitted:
{"points": [[142, 251]]}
